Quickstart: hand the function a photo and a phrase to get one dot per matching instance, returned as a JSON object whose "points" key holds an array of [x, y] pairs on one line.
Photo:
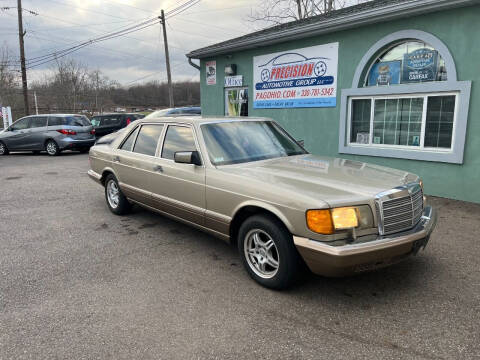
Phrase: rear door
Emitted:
{"points": [[134, 161], [38, 129]]}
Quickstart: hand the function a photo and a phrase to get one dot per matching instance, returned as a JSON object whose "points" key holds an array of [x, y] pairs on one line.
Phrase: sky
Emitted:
{"points": [[135, 58]]}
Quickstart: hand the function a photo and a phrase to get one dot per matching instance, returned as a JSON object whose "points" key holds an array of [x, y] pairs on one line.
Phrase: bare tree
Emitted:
{"points": [[9, 81], [281, 11]]}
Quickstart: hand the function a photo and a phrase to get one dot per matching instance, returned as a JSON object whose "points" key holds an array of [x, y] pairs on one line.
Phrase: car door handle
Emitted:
{"points": [[116, 159], [158, 168]]}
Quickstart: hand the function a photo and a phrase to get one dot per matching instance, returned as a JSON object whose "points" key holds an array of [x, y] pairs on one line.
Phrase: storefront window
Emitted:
{"points": [[236, 102], [407, 62], [417, 122]]}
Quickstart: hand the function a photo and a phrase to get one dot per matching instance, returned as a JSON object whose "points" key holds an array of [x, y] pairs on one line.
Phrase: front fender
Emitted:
{"points": [[268, 207]]}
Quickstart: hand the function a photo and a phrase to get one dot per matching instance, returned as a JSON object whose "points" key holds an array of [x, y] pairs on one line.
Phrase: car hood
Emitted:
{"points": [[331, 180]]}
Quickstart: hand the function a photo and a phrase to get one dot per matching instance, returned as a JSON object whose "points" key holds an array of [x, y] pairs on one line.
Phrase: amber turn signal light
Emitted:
{"points": [[320, 221]]}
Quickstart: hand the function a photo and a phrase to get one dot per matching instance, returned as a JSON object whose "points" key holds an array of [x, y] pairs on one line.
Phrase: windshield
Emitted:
{"points": [[243, 141]]}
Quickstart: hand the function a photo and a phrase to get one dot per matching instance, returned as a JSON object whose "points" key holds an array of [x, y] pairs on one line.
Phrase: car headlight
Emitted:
{"points": [[327, 221]]}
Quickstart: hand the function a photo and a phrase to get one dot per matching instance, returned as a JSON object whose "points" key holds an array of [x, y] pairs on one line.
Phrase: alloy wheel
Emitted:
{"points": [[51, 148], [113, 194], [2, 149], [261, 253]]}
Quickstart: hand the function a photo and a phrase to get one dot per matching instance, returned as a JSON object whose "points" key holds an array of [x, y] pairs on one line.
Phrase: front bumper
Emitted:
{"points": [[328, 260]]}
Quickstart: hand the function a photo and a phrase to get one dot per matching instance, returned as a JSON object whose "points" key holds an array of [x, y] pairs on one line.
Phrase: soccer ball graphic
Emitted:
{"points": [[265, 75], [320, 68]]}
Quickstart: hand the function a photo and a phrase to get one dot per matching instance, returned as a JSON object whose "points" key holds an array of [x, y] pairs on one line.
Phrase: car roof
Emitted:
{"points": [[200, 119], [59, 115], [117, 113]]}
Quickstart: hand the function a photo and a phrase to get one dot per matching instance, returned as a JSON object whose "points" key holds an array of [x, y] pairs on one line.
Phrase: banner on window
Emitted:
{"points": [[385, 73], [296, 79], [420, 65]]}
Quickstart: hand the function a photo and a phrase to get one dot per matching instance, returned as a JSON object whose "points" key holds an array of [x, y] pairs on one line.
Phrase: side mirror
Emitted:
{"points": [[301, 142], [187, 157]]}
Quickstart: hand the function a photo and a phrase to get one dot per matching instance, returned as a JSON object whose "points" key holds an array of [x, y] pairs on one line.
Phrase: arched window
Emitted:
{"points": [[406, 102], [410, 61]]}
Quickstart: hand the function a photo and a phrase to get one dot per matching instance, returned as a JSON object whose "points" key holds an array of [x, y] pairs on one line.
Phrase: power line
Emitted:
{"points": [[39, 60]]}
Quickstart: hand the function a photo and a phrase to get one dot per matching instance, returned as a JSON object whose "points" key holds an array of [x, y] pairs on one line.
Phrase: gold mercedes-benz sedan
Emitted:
{"points": [[249, 182]]}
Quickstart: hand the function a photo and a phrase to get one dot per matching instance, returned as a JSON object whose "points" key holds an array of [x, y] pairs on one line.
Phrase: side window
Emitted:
{"points": [[95, 121], [38, 121], [55, 121], [127, 144], [111, 121], [147, 139], [178, 138], [22, 124]]}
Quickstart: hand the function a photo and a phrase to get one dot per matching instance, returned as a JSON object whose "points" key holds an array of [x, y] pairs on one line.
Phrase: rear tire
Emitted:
{"points": [[3, 149], [268, 253], [52, 148], [116, 201]]}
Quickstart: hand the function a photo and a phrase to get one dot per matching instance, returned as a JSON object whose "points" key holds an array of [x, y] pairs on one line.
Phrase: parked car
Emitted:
{"points": [[108, 123], [180, 111], [249, 182], [50, 132]]}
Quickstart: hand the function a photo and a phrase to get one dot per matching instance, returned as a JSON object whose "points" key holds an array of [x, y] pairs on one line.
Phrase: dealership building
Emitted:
{"points": [[390, 82]]}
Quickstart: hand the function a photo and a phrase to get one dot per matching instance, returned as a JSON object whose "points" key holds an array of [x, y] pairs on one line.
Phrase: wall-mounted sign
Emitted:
{"points": [[420, 65], [298, 78], [385, 73], [232, 81], [211, 69]]}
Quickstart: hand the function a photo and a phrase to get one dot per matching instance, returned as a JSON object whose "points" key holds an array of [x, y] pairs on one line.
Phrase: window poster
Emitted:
{"points": [[211, 71], [385, 73]]}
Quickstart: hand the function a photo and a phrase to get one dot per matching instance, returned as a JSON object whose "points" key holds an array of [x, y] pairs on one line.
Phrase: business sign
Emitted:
{"points": [[211, 69], [420, 65], [385, 73], [296, 79], [233, 81], [6, 115]]}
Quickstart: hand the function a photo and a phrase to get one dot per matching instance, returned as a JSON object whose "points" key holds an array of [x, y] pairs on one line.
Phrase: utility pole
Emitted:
{"points": [[21, 34], [167, 59], [36, 104]]}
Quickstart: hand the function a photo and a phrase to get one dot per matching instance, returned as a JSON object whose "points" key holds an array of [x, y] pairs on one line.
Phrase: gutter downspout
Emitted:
{"points": [[193, 64]]}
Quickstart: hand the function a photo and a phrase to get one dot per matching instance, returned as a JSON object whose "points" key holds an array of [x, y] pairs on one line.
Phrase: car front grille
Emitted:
{"points": [[400, 212]]}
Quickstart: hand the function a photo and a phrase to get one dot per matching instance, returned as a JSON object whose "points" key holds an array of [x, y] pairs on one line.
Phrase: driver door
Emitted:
{"points": [[179, 189], [18, 135]]}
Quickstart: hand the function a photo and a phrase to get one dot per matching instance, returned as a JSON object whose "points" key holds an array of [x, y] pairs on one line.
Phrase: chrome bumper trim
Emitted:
{"points": [[94, 176], [422, 230]]}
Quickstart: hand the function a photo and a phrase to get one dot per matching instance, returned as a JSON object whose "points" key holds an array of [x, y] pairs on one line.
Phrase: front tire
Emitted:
{"points": [[268, 253], [116, 201], [52, 148], [3, 149]]}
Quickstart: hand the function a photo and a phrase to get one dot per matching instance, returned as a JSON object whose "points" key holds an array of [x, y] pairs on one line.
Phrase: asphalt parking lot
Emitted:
{"points": [[79, 282]]}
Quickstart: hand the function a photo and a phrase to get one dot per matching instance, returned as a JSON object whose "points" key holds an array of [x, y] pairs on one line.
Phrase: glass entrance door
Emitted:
{"points": [[236, 102]]}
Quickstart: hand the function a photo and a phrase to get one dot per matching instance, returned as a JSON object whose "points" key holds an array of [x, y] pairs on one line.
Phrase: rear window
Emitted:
{"points": [[76, 121]]}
